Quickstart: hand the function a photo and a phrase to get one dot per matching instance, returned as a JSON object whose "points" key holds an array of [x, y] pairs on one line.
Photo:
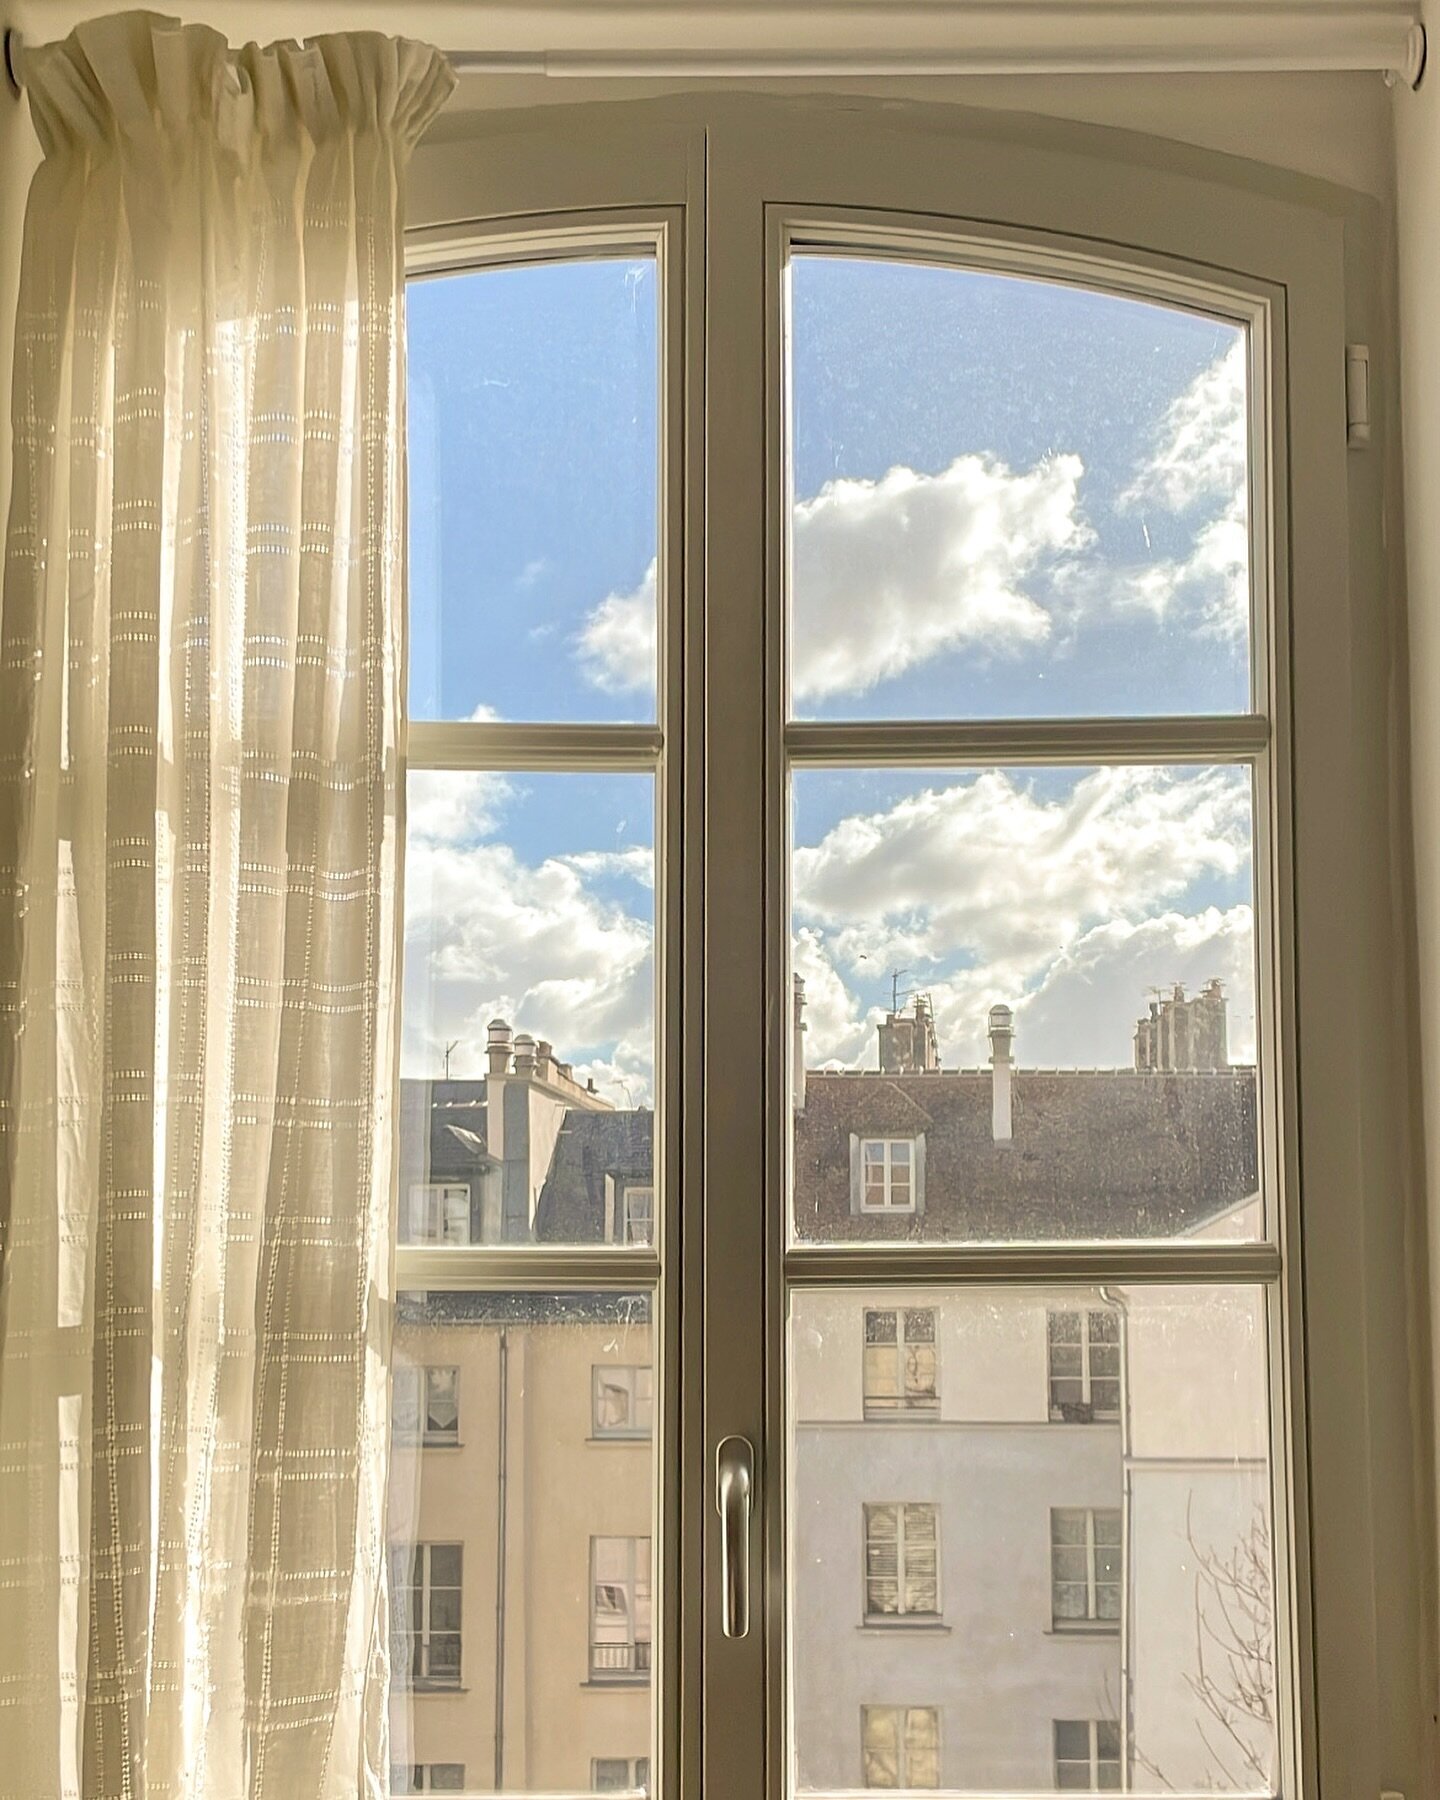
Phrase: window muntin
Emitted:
{"points": [[900, 1746], [1085, 1567], [902, 1560], [623, 1400], [620, 1613], [426, 1404], [427, 1592], [1087, 1755], [1084, 1360], [900, 1369]]}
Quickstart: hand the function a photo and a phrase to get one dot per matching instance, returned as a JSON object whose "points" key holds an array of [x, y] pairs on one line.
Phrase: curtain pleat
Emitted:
{"points": [[200, 718]]}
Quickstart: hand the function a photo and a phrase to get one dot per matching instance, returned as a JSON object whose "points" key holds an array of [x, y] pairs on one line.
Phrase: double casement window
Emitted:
{"points": [[877, 612], [899, 1372], [426, 1405], [902, 1561], [900, 1746], [1084, 1350], [1087, 1755], [889, 1174], [1086, 1577], [623, 1400], [620, 1774], [426, 1596], [427, 1778], [620, 1613]]}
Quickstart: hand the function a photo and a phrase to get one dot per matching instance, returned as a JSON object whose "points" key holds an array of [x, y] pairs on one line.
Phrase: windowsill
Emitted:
{"points": [[618, 1437], [925, 1415], [625, 1683], [935, 1627], [423, 1685], [428, 1444], [1087, 1628]]}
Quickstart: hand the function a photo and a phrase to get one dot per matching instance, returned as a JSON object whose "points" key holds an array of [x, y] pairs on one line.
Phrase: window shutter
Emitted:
{"points": [[918, 1156], [856, 1173]]}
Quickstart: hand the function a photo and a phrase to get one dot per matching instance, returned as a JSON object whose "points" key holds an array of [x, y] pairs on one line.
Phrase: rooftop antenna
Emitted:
{"points": [[453, 1045], [895, 975]]}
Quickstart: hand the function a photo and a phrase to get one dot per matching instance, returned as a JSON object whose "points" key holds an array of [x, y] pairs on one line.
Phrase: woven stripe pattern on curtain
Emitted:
{"points": [[200, 717]]}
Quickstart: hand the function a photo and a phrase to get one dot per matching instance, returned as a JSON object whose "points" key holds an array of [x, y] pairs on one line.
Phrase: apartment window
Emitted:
{"points": [[426, 1595], [889, 1179], [620, 1609], [620, 1774], [639, 1215], [439, 1213], [427, 1778], [1087, 1755], [902, 1561], [623, 1400], [426, 1405], [900, 1746], [1084, 1351], [1085, 1567], [900, 1373]]}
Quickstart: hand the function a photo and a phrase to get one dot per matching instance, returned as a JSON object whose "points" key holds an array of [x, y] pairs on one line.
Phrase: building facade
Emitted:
{"points": [[1001, 1500]]}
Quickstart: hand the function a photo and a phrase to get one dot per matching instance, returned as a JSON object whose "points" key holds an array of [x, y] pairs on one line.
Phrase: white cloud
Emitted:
{"points": [[616, 645], [1201, 456], [1201, 449], [1010, 896], [489, 935], [888, 574]]}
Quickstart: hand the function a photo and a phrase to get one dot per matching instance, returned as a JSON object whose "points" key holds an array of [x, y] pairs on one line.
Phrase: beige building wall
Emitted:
{"points": [[563, 1486]]}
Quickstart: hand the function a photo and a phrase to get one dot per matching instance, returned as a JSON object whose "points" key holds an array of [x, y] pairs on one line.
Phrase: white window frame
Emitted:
{"points": [[624, 1663], [902, 1546], [1087, 1345], [905, 1404], [905, 1774], [418, 1639], [424, 1774], [437, 1198], [638, 1382], [419, 1376], [1152, 218], [1096, 1761], [1092, 1623], [635, 1214], [637, 1774]]}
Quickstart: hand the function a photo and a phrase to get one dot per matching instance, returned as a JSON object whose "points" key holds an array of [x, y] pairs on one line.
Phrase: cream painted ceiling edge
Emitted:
{"points": [[833, 37]]}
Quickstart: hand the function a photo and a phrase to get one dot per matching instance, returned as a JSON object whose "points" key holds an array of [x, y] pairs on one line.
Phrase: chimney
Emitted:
{"points": [[544, 1059], [797, 1045], [908, 1044], [1183, 1035], [525, 1054], [1002, 1037], [497, 1047]]}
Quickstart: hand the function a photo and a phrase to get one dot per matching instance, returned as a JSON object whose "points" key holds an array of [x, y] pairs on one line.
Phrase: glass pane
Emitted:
{"points": [[527, 1545], [533, 432], [1043, 978], [1164, 1518], [1012, 497], [529, 972]]}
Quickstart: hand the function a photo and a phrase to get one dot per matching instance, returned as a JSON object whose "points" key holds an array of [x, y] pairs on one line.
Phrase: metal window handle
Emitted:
{"points": [[734, 1492]]}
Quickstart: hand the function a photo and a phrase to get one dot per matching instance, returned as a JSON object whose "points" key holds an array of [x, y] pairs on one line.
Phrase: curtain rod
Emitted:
{"points": [[1079, 40]]}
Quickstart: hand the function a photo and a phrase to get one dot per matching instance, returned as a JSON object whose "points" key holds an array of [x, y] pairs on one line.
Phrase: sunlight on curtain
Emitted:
{"points": [[199, 834]]}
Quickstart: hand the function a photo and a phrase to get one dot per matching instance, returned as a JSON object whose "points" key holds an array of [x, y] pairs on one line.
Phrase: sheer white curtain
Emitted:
{"points": [[199, 837]]}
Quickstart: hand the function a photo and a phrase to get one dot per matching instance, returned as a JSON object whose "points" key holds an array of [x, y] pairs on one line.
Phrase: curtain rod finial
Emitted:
{"points": [[14, 44]]}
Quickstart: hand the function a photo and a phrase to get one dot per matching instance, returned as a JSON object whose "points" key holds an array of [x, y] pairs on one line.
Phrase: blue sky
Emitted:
{"points": [[1010, 498]]}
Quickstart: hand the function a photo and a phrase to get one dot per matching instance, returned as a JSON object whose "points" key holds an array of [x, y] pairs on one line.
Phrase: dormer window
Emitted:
{"points": [[887, 1174]]}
